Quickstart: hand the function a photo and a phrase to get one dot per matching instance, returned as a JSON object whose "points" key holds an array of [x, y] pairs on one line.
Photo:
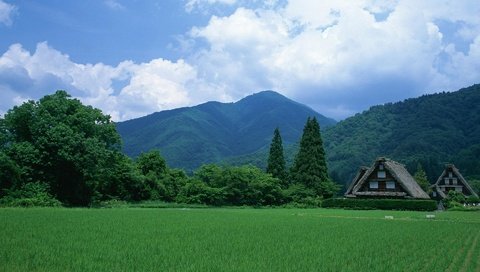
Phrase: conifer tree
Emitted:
{"points": [[310, 167], [421, 178], [276, 160]]}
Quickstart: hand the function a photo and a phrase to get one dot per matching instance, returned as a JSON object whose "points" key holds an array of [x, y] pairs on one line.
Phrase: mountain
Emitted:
{"points": [[211, 132], [430, 130]]}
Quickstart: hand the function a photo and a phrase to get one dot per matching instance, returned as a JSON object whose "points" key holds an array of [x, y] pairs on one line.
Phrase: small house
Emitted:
{"points": [[451, 180], [385, 179]]}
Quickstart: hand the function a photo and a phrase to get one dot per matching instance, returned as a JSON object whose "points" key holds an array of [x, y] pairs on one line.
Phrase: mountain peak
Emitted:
{"points": [[213, 131], [268, 94]]}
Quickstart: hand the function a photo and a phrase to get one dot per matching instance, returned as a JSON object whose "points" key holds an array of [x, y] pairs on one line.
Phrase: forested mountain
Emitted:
{"points": [[210, 132], [431, 130]]}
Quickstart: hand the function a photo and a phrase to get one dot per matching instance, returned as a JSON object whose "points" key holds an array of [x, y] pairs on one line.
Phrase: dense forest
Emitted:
{"points": [[430, 130], [56, 151]]}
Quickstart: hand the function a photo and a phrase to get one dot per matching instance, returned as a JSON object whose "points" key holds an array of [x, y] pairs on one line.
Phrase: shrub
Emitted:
{"points": [[473, 199], [380, 204], [33, 194]]}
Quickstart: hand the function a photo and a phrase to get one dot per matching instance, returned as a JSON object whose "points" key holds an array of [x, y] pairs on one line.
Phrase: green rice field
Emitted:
{"points": [[146, 239]]}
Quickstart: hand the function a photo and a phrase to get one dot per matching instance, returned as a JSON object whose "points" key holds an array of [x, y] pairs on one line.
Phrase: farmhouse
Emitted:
{"points": [[385, 179], [451, 180]]}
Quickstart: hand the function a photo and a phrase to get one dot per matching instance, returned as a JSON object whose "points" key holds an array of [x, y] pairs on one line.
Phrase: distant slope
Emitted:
{"points": [[211, 132], [432, 129]]}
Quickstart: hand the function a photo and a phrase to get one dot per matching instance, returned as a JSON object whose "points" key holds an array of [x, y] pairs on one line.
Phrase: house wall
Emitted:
{"points": [[382, 182], [452, 182]]}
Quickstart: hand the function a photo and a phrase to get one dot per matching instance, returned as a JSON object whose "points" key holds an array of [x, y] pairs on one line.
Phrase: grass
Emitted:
{"points": [[142, 239]]}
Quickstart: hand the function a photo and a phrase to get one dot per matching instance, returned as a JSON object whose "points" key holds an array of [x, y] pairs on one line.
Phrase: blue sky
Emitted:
{"points": [[132, 58]]}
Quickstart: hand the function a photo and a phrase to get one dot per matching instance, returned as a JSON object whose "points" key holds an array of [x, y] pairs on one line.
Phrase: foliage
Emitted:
{"points": [[475, 184], [245, 185], [153, 162], [62, 143], [120, 181], [453, 199], [381, 204], [472, 199], [310, 167], [276, 161], [421, 178], [9, 173], [33, 194], [72, 148]]}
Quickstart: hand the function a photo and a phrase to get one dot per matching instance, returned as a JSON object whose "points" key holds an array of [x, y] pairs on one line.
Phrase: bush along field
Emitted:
{"points": [[139, 239]]}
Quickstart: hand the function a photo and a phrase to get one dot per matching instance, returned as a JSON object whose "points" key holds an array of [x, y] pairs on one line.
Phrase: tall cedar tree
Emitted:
{"points": [[310, 168], [421, 178], [276, 160]]}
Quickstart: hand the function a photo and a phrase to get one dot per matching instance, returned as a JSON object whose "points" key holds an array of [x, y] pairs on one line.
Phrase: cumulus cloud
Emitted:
{"points": [[341, 56], [6, 13], [153, 86]]}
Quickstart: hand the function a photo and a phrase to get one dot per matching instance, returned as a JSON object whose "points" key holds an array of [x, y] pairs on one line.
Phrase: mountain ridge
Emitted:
{"points": [[211, 131]]}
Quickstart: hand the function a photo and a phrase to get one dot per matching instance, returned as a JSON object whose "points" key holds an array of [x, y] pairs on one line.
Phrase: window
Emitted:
{"points": [[450, 174], [434, 194], [373, 184], [454, 181], [447, 181], [390, 184], [380, 167], [381, 174], [458, 189]]}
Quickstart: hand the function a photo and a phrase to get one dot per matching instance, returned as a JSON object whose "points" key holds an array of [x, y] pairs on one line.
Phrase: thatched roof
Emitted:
{"points": [[456, 172], [399, 173], [361, 171]]}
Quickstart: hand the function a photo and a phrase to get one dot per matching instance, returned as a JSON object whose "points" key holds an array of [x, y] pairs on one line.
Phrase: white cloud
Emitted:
{"points": [[157, 85], [6, 13], [341, 56]]}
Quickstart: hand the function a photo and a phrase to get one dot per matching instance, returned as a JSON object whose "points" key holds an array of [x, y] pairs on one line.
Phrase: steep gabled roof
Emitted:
{"points": [[401, 175], [361, 172], [457, 173]]}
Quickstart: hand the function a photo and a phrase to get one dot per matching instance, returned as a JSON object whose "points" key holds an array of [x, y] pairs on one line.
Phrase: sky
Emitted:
{"points": [[132, 58]]}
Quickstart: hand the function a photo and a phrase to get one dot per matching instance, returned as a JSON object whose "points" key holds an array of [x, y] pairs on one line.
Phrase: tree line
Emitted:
{"points": [[57, 151]]}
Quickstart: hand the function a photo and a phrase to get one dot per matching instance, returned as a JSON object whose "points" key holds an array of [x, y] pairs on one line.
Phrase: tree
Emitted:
{"points": [[475, 184], [276, 160], [9, 174], [310, 167], [62, 143], [152, 161], [421, 178]]}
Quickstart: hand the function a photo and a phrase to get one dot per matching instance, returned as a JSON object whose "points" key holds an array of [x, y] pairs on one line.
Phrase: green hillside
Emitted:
{"points": [[211, 132], [431, 130]]}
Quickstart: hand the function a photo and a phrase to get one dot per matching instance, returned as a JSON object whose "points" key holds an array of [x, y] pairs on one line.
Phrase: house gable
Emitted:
{"points": [[355, 180], [451, 180], [386, 178]]}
